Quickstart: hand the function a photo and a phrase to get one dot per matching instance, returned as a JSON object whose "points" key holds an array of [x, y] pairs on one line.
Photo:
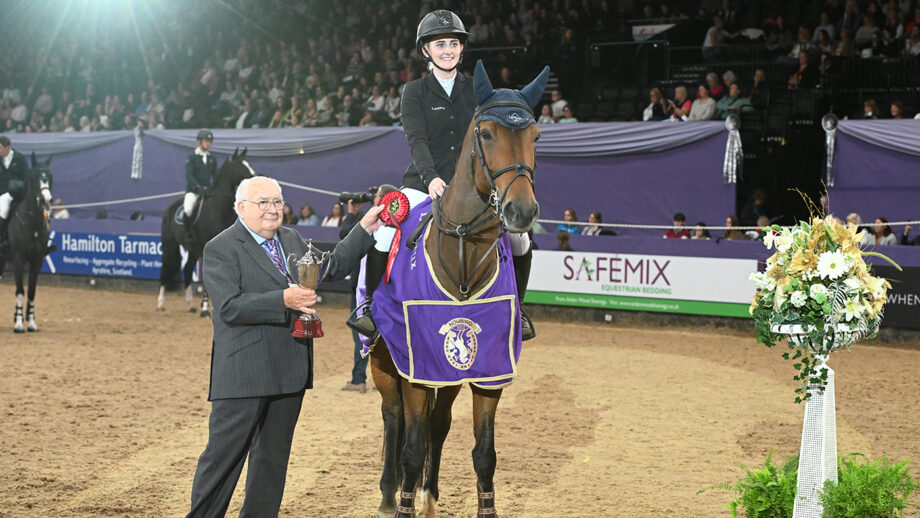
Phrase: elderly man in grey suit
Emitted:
{"points": [[259, 372]]}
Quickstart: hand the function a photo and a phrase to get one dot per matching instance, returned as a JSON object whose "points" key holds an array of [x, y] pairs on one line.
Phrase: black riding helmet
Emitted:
{"points": [[439, 23], [205, 135]]}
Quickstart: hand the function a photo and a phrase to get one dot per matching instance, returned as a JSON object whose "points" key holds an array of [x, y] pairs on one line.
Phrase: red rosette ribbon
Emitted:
{"points": [[395, 211]]}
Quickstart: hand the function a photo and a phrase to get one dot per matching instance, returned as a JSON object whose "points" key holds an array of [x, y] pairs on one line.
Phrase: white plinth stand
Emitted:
{"points": [[818, 450]]}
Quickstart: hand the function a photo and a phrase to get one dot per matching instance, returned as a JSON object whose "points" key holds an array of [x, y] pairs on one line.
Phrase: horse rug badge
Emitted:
{"points": [[460, 342]]}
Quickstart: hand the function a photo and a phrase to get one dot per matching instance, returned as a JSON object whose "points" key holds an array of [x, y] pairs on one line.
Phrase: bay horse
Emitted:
{"points": [[213, 214], [28, 238], [479, 205]]}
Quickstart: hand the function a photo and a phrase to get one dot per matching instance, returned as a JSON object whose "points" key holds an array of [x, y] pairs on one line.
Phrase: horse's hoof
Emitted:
{"points": [[161, 310], [205, 314], [33, 329], [17, 330], [192, 310]]}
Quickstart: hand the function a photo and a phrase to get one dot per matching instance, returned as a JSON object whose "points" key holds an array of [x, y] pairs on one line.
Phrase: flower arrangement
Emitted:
{"points": [[817, 279]]}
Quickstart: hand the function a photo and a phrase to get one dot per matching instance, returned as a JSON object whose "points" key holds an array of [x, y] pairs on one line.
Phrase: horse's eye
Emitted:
{"points": [[537, 137], [486, 135]]}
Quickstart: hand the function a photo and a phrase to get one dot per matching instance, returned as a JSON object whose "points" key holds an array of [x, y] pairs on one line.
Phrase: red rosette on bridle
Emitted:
{"points": [[395, 211]]}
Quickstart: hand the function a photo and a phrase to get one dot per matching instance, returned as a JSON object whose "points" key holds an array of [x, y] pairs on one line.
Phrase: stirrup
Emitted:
{"points": [[527, 330], [360, 320]]}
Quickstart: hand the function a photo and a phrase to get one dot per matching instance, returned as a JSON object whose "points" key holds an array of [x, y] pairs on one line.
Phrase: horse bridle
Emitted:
{"points": [[462, 230], [45, 181]]}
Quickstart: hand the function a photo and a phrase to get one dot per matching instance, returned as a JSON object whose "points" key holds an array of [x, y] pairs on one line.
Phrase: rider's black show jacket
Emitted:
{"points": [[198, 174], [16, 171], [435, 126]]}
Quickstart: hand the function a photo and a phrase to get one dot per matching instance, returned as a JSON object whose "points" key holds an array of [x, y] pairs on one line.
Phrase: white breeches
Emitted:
{"points": [[5, 200], [520, 243], [188, 205]]}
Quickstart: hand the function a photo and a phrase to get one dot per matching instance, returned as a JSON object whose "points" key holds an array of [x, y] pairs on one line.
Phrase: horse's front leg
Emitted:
{"points": [[18, 326], [187, 273], [34, 270], [440, 426], [386, 379], [485, 403], [415, 411]]}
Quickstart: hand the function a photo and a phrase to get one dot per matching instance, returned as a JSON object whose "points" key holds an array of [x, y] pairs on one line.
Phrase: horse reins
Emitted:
{"points": [[462, 230]]}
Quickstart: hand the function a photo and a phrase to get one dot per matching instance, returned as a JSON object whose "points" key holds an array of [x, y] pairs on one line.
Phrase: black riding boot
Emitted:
{"points": [[4, 236], [521, 276], [360, 319]]}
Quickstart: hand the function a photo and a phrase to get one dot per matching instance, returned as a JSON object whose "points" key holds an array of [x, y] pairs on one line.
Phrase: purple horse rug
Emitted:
{"points": [[437, 340]]}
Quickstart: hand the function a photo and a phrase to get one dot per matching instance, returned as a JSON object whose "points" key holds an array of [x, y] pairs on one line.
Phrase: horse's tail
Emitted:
{"points": [[171, 258]]}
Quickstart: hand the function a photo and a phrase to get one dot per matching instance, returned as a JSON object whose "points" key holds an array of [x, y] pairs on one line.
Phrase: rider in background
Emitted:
{"points": [[436, 112], [13, 169], [200, 168]]}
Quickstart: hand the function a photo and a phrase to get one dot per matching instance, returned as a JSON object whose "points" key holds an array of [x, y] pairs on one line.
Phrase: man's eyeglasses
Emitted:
{"points": [[277, 203]]}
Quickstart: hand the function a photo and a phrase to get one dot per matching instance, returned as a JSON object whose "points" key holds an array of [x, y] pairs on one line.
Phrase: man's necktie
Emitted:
{"points": [[274, 253]]}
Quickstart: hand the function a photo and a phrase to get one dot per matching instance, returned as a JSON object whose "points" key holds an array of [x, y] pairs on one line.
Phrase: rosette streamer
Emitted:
{"points": [[396, 209], [732, 165]]}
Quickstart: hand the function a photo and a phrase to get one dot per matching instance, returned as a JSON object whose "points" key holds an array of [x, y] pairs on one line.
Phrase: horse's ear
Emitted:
{"points": [[534, 91], [243, 154], [48, 162], [482, 87], [34, 160], [235, 151]]}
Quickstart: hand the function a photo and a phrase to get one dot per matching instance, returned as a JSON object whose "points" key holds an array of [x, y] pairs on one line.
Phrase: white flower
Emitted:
{"points": [[768, 239], [852, 309], [817, 291], [798, 298], [779, 299], [831, 265], [783, 243], [852, 283]]}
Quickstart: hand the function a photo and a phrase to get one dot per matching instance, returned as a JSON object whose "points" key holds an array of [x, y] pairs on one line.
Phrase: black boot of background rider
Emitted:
{"points": [[360, 319], [4, 237], [521, 276]]}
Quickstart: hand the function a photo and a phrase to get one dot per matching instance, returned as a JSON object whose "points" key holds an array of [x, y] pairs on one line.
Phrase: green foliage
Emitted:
{"points": [[764, 493], [868, 489]]}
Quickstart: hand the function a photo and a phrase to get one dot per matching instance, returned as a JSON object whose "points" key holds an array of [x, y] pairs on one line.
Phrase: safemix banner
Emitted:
{"points": [[671, 284]]}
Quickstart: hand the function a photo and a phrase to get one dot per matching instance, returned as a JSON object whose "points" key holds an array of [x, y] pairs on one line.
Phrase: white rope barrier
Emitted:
{"points": [[312, 189], [116, 202], [687, 227]]}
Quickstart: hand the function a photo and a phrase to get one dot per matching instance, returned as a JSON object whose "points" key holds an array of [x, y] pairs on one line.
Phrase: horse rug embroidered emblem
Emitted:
{"points": [[437, 340]]}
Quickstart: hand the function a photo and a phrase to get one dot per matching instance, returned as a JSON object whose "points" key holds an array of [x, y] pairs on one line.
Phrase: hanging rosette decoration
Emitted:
{"points": [[395, 211], [829, 123], [731, 167], [137, 156]]}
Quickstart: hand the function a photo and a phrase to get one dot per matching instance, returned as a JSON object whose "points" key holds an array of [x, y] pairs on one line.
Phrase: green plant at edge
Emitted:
{"points": [[768, 492], [869, 489]]}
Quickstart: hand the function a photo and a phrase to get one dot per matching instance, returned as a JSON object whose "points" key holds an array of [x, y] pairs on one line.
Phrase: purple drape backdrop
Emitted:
{"points": [[874, 181], [630, 172]]}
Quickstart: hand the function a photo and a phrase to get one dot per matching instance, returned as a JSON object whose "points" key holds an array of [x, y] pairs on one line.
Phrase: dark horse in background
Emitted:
{"points": [[492, 192], [28, 231], [213, 214]]}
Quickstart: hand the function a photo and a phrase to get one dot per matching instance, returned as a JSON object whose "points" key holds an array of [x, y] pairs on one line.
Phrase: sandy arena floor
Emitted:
{"points": [[104, 413]]}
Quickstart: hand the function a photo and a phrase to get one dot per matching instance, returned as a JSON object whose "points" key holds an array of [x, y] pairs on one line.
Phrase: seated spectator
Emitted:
{"points": [[755, 207], [823, 43], [728, 79], [733, 103], [734, 233], [568, 215], [714, 41], [310, 114], [897, 110], [912, 45], [843, 48], [678, 231], [806, 76], [868, 238], [57, 211], [334, 219], [779, 39], [883, 233], [885, 45], [680, 106], [657, 110], [802, 45], [546, 115], [825, 26], [562, 241], [392, 105], [762, 225], [558, 104], [704, 107], [308, 216], [760, 92], [863, 37], [700, 231], [287, 215], [716, 90], [904, 239], [870, 109], [595, 229], [893, 24], [567, 115]]}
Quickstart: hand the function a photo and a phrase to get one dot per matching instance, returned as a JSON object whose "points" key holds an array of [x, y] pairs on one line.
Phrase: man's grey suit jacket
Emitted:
{"points": [[253, 353]]}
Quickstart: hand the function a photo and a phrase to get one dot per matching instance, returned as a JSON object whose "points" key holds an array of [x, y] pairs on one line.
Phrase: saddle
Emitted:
{"points": [[179, 216]]}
